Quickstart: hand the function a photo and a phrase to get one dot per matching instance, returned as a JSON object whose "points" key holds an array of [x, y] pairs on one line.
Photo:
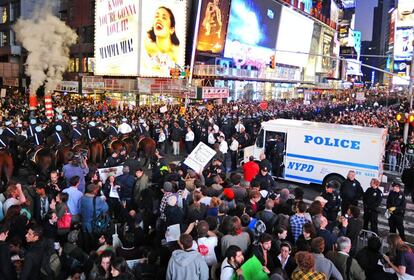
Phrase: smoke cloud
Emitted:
{"points": [[47, 40]]}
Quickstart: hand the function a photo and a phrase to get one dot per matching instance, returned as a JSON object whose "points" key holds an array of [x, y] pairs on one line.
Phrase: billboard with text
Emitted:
{"points": [[116, 37]]}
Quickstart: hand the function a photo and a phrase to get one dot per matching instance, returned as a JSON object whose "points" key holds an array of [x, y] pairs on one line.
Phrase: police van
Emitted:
{"points": [[310, 152]]}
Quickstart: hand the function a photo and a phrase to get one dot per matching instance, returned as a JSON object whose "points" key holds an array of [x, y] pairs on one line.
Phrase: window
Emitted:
{"points": [[259, 140], [3, 38], [3, 13]]}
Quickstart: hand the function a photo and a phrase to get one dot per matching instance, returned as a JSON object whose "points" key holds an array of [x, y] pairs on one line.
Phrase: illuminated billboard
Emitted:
{"points": [[403, 48], [348, 4], [213, 25], [163, 35], [116, 37], [405, 16], [294, 35], [334, 12], [326, 47], [307, 4], [251, 36]]}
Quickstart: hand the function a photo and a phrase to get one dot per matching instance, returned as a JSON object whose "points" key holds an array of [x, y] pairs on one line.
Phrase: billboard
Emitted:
{"points": [[116, 37], [392, 27], [326, 47], [163, 35], [353, 67], [405, 16], [334, 12], [213, 25], [251, 36], [294, 35], [403, 48], [348, 4]]}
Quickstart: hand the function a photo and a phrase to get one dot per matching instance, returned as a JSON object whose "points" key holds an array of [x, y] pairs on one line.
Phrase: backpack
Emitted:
{"points": [[101, 223], [51, 265]]}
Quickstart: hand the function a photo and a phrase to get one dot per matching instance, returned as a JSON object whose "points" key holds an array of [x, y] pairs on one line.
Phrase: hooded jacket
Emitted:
{"points": [[187, 265]]}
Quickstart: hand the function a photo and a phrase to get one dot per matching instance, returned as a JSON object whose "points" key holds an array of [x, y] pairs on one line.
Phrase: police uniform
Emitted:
{"points": [[333, 205], [396, 219], [3, 142], [76, 133], [9, 132], [112, 131], [58, 138], [38, 138], [124, 128], [372, 200], [93, 132]]}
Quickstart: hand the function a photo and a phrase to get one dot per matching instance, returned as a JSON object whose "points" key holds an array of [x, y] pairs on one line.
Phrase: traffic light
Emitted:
{"points": [[400, 117], [410, 118], [273, 62]]}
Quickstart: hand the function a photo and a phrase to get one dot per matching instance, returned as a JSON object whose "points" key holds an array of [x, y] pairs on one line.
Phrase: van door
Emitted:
{"points": [[275, 147], [259, 145]]}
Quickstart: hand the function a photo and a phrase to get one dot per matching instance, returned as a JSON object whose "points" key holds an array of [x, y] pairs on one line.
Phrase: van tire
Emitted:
{"points": [[333, 178]]}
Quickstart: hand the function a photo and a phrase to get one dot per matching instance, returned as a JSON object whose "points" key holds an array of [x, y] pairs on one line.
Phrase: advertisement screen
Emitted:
{"points": [[163, 35], [348, 4], [294, 35], [314, 49], [353, 67], [405, 13], [334, 12], [213, 25], [326, 48], [116, 37], [251, 33], [392, 27], [403, 48]]}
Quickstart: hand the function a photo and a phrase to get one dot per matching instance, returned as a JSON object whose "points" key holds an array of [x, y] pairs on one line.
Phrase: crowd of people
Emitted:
{"points": [[170, 222]]}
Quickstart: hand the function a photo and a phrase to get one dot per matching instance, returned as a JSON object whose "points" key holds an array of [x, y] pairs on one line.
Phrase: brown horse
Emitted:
{"points": [[147, 146], [43, 160], [6, 167], [126, 143], [96, 152]]}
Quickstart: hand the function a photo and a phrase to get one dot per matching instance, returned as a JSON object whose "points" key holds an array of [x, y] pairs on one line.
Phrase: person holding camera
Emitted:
{"points": [[77, 166]]}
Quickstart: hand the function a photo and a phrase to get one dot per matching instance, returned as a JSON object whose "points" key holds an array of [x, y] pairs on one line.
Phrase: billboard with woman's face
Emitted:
{"points": [[163, 34], [213, 26]]}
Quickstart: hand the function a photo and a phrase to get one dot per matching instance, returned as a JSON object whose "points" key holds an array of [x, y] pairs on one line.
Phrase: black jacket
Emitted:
{"points": [[266, 182], [7, 271], [397, 200], [372, 199], [333, 205], [32, 262], [351, 191]]}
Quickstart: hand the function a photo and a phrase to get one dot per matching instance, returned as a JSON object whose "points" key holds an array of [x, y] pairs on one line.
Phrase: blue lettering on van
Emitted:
{"points": [[300, 166], [333, 142]]}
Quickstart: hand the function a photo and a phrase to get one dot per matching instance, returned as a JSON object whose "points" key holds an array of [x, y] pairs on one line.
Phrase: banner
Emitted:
{"points": [[104, 172], [403, 48], [214, 93], [116, 37], [214, 19], [163, 37], [199, 157]]}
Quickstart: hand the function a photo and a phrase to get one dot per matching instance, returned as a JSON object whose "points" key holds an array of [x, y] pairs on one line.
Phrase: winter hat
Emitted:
{"points": [[228, 193]]}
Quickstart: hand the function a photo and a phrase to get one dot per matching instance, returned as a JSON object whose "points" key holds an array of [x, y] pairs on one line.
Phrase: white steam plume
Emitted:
{"points": [[47, 40]]}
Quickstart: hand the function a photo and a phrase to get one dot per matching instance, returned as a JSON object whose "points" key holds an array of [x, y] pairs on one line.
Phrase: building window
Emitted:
{"points": [[3, 13], [3, 39], [14, 11]]}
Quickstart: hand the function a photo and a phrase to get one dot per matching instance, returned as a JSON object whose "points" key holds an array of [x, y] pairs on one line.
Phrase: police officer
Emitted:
{"points": [[396, 207], [351, 191], [3, 142], [58, 135], [112, 131], [264, 179], [333, 198], [9, 131], [38, 138], [372, 200], [124, 128], [31, 129], [93, 132], [77, 133]]}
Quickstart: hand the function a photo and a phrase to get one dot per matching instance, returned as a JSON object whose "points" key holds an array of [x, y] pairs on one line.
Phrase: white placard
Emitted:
{"points": [[163, 109], [173, 233], [199, 157], [3, 93], [104, 172]]}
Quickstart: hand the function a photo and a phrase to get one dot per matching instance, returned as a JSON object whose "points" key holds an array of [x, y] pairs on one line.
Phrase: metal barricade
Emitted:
{"points": [[395, 163]]}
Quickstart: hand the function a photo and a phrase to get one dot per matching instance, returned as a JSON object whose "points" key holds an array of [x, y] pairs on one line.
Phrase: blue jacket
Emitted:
{"points": [[86, 211], [127, 183]]}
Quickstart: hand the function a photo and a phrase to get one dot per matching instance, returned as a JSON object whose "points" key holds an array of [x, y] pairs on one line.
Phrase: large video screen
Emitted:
{"points": [[405, 13], [294, 38], [403, 48], [348, 4], [163, 35], [213, 25], [251, 32], [116, 37]]}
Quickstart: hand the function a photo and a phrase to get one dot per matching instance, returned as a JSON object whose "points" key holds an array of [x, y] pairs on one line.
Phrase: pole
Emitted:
{"points": [[410, 95]]}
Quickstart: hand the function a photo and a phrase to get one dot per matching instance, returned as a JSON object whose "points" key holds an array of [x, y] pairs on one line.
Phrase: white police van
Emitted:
{"points": [[314, 152]]}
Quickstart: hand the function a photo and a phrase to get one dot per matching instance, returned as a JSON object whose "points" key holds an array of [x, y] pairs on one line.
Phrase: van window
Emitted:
{"points": [[259, 139]]}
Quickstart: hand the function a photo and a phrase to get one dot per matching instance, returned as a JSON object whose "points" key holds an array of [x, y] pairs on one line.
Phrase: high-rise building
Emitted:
{"points": [[12, 55]]}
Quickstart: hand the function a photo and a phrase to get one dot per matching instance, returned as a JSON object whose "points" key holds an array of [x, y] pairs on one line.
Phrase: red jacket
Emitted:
{"points": [[250, 170]]}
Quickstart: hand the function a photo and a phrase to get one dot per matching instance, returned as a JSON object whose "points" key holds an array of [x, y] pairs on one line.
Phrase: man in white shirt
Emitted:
{"points": [[234, 147], [189, 139], [224, 147], [231, 265]]}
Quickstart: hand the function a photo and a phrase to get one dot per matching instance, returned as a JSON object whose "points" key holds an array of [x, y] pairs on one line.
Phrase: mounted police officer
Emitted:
{"points": [[77, 133], [124, 128], [112, 131], [9, 132], [30, 131], [93, 132], [39, 138], [58, 137], [372, 200]]}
